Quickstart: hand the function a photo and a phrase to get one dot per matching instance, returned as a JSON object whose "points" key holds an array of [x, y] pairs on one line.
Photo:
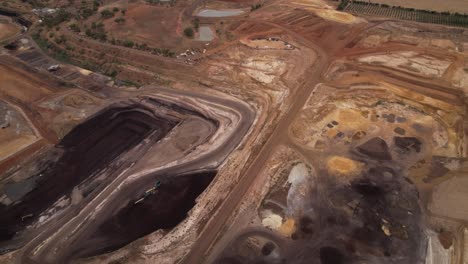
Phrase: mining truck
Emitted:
{"points": [[150, 191]]}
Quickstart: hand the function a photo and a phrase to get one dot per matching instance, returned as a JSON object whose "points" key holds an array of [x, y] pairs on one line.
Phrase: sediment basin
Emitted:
{"points": [[220, 13], [206, 33]]}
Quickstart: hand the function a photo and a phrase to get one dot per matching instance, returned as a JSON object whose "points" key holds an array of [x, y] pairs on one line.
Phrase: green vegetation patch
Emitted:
{"points": [[188, 32], [107, 14], [53, 20], [410, 14]]}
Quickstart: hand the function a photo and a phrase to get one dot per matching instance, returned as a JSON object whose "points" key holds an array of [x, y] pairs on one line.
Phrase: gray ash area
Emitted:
{"points": [[376, 218]]}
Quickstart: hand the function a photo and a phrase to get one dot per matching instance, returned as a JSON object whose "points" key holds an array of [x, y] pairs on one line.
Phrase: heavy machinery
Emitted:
{"points": [[150, 191]]}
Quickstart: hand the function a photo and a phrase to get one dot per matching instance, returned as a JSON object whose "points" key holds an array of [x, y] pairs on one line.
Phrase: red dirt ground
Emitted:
{"points": [[151, 24]]}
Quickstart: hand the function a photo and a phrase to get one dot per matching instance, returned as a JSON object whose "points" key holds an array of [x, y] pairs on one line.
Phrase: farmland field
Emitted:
{"points": [[452, 6], [410, 14]]}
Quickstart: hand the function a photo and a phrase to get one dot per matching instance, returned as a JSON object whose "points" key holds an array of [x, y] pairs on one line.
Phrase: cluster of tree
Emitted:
{"points": [[75, 28], [255, 7], [164, 52], [119, 20], [61, 39], [343, 4], [96, 32], [33, 3], [446, 13], [159, 2], [419, 15], [60, 16], [128, 43], [142, 46], [196, 23], [107, 14], [50, 48], [188, 32], [87, 12]]}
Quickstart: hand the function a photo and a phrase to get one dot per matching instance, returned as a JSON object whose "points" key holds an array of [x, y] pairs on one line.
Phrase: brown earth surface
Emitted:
{"points": [[299, 133], [8, 30]]}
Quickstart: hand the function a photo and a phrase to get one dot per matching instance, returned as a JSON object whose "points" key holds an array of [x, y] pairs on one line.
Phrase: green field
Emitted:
{"points": [[424, 16]]}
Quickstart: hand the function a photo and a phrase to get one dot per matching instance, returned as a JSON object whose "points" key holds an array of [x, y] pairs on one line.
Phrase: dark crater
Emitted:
{"points": [[399, 131], [331, 255], [408, 144], [17, 17], [152, 209], [375, 148], [367, 188], [268, 248]]}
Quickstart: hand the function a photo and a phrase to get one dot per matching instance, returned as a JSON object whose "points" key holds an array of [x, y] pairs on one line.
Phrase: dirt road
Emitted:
{"points": [[214, 228]]}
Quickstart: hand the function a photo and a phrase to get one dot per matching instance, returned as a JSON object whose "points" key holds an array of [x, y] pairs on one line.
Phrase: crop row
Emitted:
{"points": [[423, 16]]}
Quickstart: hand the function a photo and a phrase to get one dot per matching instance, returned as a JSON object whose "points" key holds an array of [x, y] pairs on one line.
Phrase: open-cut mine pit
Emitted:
{"points": [[91, 156], [160, 207], [87, 149]]}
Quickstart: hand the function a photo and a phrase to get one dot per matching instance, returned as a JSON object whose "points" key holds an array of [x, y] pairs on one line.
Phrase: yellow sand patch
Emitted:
{"points": [[288, 227], [84, 71], [332, 133], [266, 44], [337, 16], [454, 146], [351, 119], [341, 166], [8, 30], [15, 145], [312, 3]]}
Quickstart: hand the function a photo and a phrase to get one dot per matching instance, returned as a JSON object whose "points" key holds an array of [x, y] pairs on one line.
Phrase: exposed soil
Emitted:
{"points": [[150, 24], [7, 30], [298, 134], [25, 90]]}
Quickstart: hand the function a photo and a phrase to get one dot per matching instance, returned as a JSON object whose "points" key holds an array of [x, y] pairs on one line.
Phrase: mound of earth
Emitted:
{"points": [[342, 166], [375, 148], [408, 144]]}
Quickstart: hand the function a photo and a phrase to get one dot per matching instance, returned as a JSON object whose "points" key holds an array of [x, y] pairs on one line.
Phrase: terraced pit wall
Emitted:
{"points": [[95, 144], [163, 209], [17, 17]]}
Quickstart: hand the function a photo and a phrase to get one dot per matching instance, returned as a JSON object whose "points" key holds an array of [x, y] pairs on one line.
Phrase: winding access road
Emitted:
{"points": [[218, 221]]}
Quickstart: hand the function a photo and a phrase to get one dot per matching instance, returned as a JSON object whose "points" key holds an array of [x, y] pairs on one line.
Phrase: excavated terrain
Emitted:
{"points": [[86, 150], [162, 210], [230, 132]]}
